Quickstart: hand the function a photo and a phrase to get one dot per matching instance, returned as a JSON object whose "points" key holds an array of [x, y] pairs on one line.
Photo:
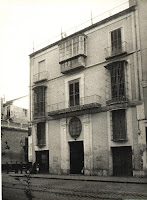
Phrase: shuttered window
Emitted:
{"points": [[39, 101], [116, 41], [119, 124], [117, 81], [74, 93], [41, 139]]}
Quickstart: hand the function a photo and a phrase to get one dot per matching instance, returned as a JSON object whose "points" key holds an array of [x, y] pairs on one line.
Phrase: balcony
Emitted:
{"points": [[117, 50], [72, 64], [85, 103], [117, 100], [42, 76]]}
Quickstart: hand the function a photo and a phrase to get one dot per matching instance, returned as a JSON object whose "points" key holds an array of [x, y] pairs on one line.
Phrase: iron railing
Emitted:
{"points": [[94, 19], [115, 50], [40, 76], [94, 100]]}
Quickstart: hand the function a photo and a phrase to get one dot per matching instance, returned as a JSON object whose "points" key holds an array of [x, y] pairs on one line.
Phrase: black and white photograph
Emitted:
{"points": [[73, 89]]}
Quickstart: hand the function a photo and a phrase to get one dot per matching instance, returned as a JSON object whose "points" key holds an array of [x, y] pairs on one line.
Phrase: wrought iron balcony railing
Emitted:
{"points": [[84, 103], [120, 99], [115, 50], [40, 76]]}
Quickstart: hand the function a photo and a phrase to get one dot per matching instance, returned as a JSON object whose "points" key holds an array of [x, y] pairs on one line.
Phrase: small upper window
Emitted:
{"points": [[41, 66], [116, 41]]}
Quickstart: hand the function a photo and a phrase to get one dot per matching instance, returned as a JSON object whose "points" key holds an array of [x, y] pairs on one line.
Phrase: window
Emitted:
{"points": [[74, 93], [41, 66], [119, 124], [116, 41], [39, 101], [117, 81], [41, 139], [8, 112], [25, 112], [71, 48]]}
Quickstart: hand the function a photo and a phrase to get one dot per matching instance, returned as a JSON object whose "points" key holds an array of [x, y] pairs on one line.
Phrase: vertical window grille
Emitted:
{"points": [[74, 93], [116, 41], [41, 139], [39, 101], [119, 124], [118, 82]]}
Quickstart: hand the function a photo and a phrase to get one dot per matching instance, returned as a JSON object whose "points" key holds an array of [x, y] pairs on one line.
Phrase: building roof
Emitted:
{"points": [[11, 101], [124, 12]]}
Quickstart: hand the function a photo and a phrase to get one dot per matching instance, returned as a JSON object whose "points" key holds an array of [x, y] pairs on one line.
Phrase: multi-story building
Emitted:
{"points": [[88, 92], [14, 131]]}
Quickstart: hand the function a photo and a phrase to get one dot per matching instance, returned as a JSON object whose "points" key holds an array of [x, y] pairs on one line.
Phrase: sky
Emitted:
{"points": [[25, 24]]}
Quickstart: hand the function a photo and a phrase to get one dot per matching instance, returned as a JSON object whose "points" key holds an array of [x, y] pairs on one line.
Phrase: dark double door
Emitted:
{"points": [[76, 157], [42, 157], [122, 161]]}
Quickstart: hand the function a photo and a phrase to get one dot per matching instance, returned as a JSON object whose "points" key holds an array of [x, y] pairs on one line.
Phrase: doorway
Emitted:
{"points": [[76, 157], [122, 161], [42, 157]]}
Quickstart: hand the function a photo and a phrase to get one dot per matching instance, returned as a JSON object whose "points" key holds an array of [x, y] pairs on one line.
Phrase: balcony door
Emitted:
{"points": [[74, 93], [116, 42]]}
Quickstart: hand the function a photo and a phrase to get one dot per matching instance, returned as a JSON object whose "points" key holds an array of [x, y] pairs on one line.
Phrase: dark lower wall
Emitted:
{"points": [[11, 146]]}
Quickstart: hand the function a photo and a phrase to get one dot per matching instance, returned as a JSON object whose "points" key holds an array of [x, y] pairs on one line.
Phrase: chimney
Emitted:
{"points": [[132, 3]]}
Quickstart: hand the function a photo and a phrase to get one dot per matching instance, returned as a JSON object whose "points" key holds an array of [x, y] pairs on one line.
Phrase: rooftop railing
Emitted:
{"points": [[93, 20]]}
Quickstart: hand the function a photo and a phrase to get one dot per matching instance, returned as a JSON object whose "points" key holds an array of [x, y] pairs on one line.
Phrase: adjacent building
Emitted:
{"points": [[88, 99], [14, 131]]}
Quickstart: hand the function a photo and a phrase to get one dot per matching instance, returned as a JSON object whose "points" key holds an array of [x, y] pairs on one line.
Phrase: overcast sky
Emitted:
{"points": [[24, 22]]}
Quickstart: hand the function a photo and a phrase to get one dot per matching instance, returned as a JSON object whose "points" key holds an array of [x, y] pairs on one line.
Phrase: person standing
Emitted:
{"points": [[16, 168], [37, 168]]}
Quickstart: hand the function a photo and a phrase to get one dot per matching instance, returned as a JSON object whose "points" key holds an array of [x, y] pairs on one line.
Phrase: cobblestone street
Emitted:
{"points": [[13, 188]]}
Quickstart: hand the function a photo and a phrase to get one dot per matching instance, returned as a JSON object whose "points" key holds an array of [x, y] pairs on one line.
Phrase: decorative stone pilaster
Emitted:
{"points": [[64, 147], [88, 150]]}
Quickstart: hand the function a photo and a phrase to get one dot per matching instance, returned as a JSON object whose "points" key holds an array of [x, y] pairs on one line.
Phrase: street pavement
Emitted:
{"points": [[46, 186]]}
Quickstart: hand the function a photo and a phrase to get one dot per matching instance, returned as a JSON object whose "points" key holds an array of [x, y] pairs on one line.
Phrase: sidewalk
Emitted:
{"points": [[132, 180]]}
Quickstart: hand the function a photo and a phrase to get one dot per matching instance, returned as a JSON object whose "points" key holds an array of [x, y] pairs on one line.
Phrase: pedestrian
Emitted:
{"points": [[34, 168], [16, 168], [37, 168], [21, 167]]}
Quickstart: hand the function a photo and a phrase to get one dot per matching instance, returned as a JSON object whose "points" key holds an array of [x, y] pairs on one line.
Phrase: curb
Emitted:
{"points": [[84, 179]]}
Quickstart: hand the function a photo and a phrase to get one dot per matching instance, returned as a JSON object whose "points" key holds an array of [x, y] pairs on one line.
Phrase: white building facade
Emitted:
{"points": [[88, 99]]}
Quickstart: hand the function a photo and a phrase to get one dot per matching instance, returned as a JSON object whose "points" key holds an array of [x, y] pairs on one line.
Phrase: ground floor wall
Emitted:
{"points": [[14, 147], [83, 144]]}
